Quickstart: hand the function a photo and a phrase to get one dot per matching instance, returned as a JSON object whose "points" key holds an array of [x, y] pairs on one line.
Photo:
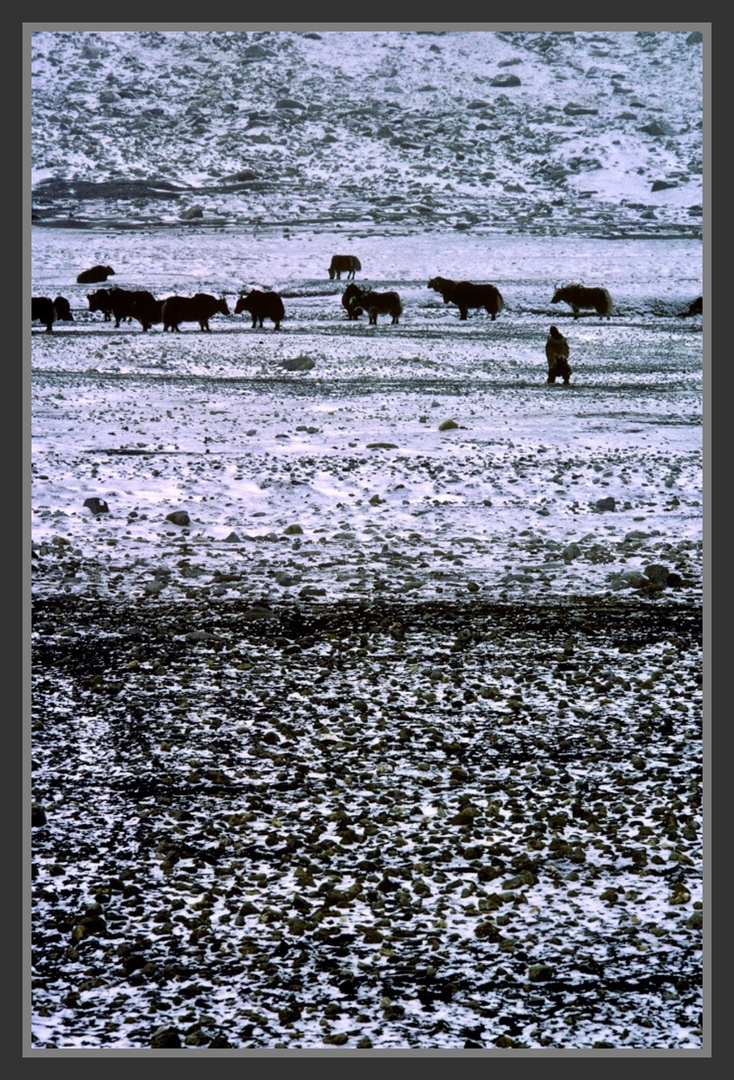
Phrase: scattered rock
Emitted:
{"points": [[96, 505], [657, 574], [540, 972], [298, 363], [165, 1038], [579, 110], [657, 127], [609, 503], [178, 517]]}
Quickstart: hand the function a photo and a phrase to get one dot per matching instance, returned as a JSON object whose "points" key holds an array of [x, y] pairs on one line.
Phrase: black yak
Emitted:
{"points": [[351, 301], [381, 303], [694, 308], [148, 311], [94, 274], [556, 352], [118, 303], [99, 300], [261, 305], [467, 294], [340, 263], [198, 308], [577, 297], [48, 311]]}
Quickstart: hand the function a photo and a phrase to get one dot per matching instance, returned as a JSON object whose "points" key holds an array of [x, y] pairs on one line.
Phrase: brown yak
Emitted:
{"points": [[197, 308], [577, 297], [467, 294]]}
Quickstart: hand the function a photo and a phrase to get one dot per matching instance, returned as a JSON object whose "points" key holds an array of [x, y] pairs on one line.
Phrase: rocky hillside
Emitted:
{"points": [[597, 132]]}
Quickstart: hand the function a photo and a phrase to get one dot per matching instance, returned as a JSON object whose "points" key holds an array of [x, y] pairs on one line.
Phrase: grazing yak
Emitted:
{"points": [[347, 263], [467, 294], [261, 305], [95, 274], [351, 301], [198, 308], [48, 311], [118, 303], [381, 303], [556, 352], [577, 297], [694, 308]]}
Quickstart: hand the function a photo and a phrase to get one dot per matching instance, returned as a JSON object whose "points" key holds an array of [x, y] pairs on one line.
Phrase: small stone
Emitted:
{"points": [[657, 574], [97, 506], [298, 363], [178, 517], [165, 1038], [447, 425], [606, 504]]}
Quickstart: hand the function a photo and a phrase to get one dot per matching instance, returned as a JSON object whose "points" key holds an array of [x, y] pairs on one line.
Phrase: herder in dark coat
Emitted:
{"points": [[556, 351]]}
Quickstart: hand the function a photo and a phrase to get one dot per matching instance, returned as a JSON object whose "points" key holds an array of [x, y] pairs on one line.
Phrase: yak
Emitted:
{"points": [[556, 352], [118, 303], [48, 311], [577, 297], [148, 311], [347, 263], [95, 274], [351, 301], [467, 294], [261, 305], [694, 308], [381, 303], [99, 300], [198, 308]]}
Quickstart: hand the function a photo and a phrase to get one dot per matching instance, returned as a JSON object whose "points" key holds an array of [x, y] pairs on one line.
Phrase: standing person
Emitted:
{"points": [[556, 351]]}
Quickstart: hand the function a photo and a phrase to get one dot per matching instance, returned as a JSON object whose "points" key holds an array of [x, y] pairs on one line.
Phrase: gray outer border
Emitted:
{"points": [[706, 29]]}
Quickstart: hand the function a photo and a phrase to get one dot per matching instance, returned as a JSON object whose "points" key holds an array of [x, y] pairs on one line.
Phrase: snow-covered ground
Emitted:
{"points": [[396, 741]]}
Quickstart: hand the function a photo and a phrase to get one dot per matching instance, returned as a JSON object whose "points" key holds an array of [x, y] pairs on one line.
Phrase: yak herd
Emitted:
{"points": [[140, 305]]}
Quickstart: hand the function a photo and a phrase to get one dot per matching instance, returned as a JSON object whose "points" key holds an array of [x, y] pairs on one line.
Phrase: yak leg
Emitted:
{"points": [[464, 313]]}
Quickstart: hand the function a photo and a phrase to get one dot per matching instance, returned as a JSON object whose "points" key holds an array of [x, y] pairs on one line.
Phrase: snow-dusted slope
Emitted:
{"points": [[593, 131]]}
